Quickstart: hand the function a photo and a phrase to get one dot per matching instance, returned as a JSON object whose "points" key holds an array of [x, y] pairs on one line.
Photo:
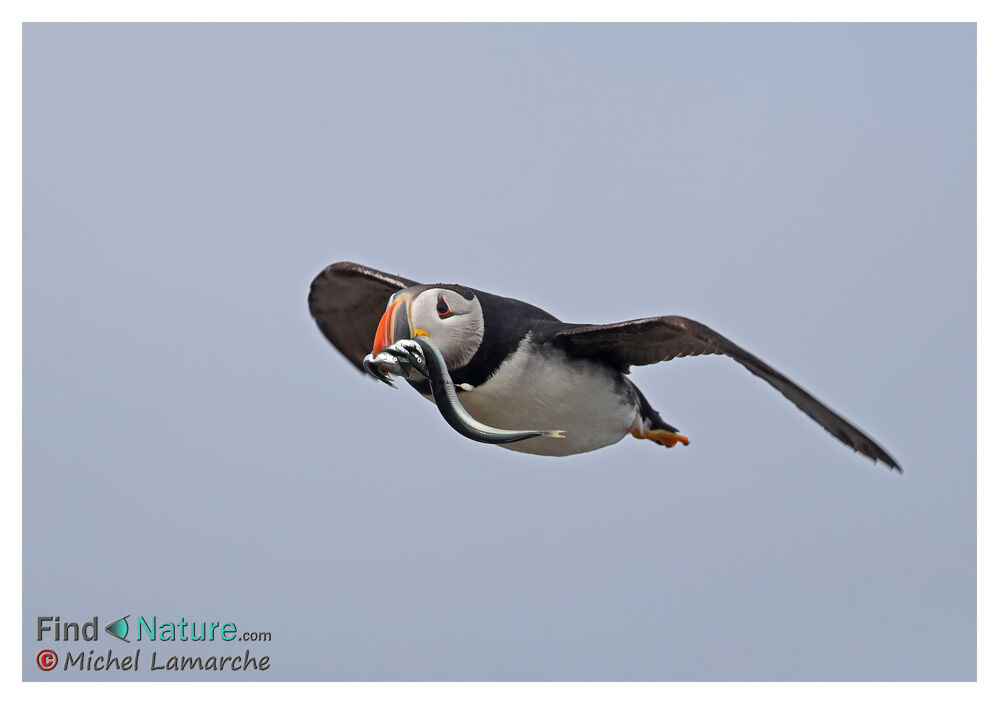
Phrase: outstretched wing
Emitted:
{"points": [[651, 340], [347, 300]]}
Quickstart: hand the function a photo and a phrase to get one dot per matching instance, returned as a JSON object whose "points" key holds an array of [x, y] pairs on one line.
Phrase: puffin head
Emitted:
{"points": [[449, 314]]}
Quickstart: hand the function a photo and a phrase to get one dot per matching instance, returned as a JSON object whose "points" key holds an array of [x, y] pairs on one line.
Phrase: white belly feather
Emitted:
{"points": [[542, 389]]}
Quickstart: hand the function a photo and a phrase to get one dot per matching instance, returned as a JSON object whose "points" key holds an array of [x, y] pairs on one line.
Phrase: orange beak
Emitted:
{"points": [[394, 324]]}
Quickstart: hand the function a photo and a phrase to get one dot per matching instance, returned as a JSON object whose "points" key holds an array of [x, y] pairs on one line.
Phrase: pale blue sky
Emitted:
{"points": [[193, 447]]}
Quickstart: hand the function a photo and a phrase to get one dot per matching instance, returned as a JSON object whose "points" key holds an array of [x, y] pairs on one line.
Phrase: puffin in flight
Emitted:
{"points": [[515, 365]]}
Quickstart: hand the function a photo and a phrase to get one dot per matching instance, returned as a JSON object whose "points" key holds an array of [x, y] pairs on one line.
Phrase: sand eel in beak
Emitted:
{"points": [[422, 354], [514, 365]]}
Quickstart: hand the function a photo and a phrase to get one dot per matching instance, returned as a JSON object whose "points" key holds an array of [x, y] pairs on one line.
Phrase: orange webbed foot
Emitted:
{"points": [[662, 437]]}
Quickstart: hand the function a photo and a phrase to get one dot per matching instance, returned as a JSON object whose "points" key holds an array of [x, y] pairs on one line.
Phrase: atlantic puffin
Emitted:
{"points": [[516, 365]]}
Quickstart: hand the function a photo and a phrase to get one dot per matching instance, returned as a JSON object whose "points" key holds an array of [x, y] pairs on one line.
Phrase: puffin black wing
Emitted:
{"points": [[347, 300], [651, 340]]}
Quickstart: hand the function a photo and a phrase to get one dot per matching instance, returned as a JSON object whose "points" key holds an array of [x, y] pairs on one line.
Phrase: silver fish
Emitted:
{"points": [[422, 354], [381, 365]]}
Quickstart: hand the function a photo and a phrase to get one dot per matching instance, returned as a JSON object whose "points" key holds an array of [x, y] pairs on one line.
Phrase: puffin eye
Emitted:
{"points": [[442, 308]]}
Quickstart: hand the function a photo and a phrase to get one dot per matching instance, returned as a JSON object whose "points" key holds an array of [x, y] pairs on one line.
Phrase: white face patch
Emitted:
{"points": [[453, 322]]}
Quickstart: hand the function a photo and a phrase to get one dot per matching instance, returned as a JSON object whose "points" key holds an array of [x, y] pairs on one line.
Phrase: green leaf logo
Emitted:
{"points": [[119, 628]]}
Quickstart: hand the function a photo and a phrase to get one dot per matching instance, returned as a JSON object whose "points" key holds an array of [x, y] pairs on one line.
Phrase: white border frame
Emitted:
{"points": [[512, 10]]}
